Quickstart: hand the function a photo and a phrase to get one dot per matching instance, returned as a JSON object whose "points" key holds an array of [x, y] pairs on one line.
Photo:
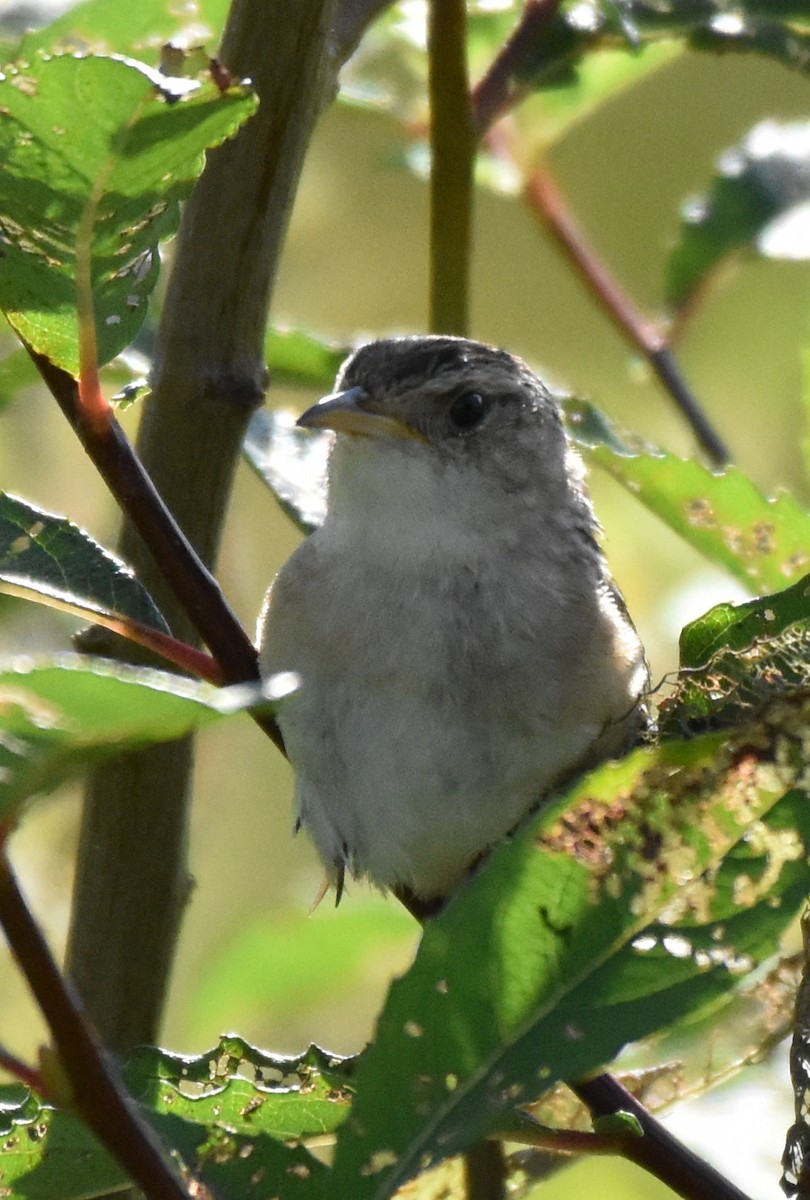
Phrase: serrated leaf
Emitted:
{"points": [[98, 26], [763, 543], [47, 558], [45, 1153], [292, 462], [93, 141], [736, 626], [638, 900], [759, 201], [246, 1090], [736, 660], [227, 1128], [58, 716]]}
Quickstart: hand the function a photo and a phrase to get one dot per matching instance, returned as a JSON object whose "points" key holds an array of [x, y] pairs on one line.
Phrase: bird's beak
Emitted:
{"points": [[357, 413]]}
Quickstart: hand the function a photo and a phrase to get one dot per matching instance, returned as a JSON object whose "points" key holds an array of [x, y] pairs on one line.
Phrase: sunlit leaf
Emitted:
{"points": [[227, 1114], [49, 559], [244, 1089], [292, 462], [741, 661], [642, 898], [98, 26], [763, 543], [758, 201], [735, 626], [58, 716], [94, 139]]}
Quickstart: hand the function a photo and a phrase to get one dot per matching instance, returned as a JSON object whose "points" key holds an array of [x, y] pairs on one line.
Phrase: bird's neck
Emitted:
{"points": [[410, 509]]}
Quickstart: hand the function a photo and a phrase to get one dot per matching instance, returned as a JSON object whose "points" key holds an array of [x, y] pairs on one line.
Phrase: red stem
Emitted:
{"points": [[548, 204]]}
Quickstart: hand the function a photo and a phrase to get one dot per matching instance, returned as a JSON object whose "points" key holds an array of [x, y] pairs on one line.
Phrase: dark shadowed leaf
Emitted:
{"points": [[49, 559], [563, 51], [292, 462], [758, 201], [763, 543], [91, 145], [639, 900]]}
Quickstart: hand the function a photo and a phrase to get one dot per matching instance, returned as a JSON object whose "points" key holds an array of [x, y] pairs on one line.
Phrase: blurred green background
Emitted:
{"points": [[253, 957]]}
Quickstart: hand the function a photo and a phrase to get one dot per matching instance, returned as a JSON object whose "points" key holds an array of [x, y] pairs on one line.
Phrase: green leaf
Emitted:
{"points": [[45, 1153], [59, 716], [49, 559], [736, 658], [641, 898], [776, 30], [738, 626], [227, 1114], [763, 543], [94, 140], [302, 360], [246, 1090], [292, 462], [759, 201], [140, 30]]}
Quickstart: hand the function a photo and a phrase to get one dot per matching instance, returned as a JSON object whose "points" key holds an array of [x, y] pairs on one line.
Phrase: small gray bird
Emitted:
{"points": [[461, 647]]}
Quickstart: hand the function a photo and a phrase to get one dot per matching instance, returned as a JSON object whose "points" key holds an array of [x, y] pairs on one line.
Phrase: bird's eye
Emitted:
{"points": [[468, 409]]}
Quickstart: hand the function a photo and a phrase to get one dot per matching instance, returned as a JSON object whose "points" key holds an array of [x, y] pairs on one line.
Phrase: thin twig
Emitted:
{"points": [[496, 92], [547, 203], [452, 158], [657, 1151], [97, 1093]]}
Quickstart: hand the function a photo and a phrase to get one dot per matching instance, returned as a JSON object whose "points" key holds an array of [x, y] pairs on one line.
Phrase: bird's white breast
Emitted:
{"points": [[452, 667]]}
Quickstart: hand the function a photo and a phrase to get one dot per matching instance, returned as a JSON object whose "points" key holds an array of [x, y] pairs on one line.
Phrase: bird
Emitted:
{"points": [[461, 649]]}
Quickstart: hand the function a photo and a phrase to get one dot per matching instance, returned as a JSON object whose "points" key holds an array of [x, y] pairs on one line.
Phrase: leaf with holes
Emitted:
{"points": [[638, 901], [738, 657], [228, 1114], [763, 543], [758, 201], [737, 626], [95, 157], [49, 559]]}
